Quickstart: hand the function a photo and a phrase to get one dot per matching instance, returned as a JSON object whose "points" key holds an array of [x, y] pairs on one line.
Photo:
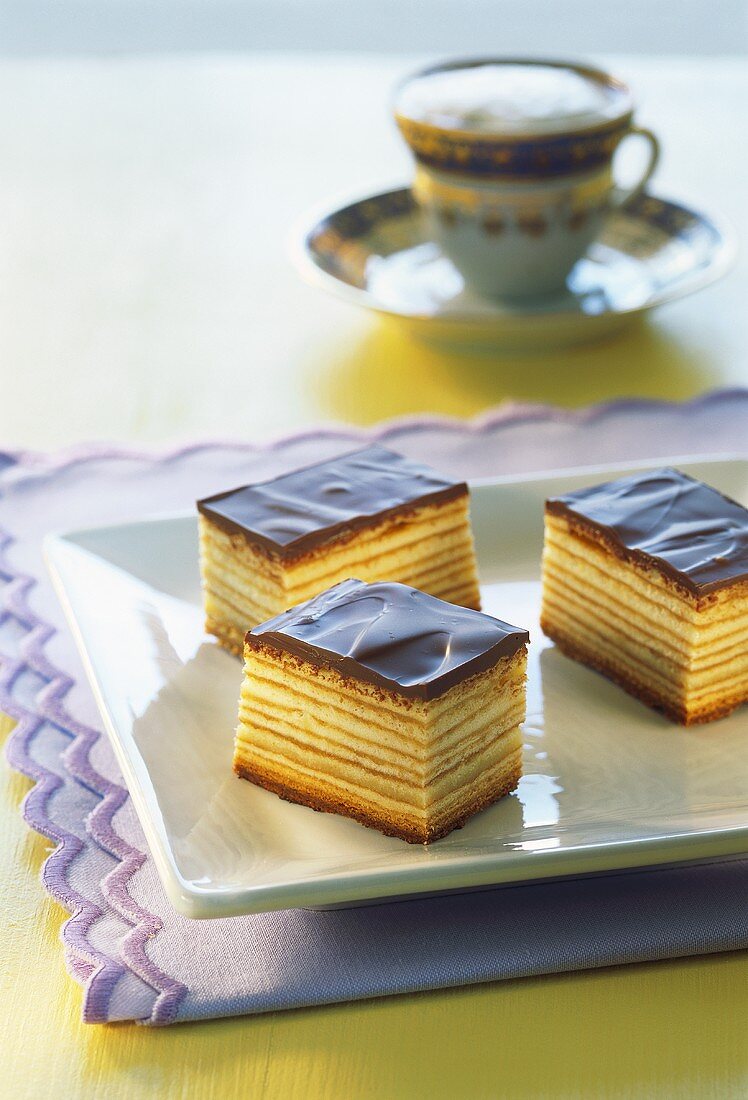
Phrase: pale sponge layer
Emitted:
{"points": [[683, 653], [428, 547], [412, 768]]}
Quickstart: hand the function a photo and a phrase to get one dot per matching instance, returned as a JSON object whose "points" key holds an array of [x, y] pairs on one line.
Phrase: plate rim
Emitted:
{"points": [[362, 886], [313, 274]]}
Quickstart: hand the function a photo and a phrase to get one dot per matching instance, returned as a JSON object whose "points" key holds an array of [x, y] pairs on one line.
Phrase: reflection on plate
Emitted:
{"points": [[608, 783], [375, 252]]}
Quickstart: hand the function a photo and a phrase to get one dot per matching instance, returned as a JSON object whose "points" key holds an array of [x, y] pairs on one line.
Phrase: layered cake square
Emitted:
{"points": [[384, 704], [371, 514], [646, 580]]}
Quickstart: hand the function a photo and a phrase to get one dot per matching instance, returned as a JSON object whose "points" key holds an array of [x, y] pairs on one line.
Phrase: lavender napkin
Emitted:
{"points": [[139, 960]]}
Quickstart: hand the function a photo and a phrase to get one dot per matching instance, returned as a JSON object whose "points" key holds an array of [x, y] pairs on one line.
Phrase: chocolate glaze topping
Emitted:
{"points": [[688, 530], [295, 512], [391, 635]]}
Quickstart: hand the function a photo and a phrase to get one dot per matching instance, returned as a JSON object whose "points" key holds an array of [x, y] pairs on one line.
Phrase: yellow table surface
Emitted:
{"points": [[148, 296], [675, 1029], [146, 286]]}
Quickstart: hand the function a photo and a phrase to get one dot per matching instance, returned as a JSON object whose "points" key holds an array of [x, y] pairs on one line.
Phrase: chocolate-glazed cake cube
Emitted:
{"points": [[646, 580], [372, 514], [384, 704]]}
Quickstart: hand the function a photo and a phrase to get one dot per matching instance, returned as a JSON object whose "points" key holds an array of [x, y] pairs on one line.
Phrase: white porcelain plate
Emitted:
{"points": [[376, 252], [608, 783]]}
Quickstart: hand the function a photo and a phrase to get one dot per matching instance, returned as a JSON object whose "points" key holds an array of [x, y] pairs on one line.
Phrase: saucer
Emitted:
{"points": [[375, 252]]}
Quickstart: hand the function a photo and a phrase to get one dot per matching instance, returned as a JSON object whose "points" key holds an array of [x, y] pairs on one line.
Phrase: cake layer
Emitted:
{"points": [[405, 534], [397, 539], [600, 586], [320, 795], [292, 514], [277, 740], [366, 726], [464, 724], [698, 673], [694, 535], [641, 655], [432, 550], [662, 593], [370, 721], [409, 766], [678, 709], [318, 788], [677, 650], [496, 779], [674, 638]]}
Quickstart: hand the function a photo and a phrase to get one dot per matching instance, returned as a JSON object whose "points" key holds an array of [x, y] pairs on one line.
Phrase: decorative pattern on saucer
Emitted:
{"points": [[378, 252], [340, 236]]}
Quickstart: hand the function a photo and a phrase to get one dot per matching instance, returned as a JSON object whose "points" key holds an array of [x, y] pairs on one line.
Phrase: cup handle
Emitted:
{"points": [[622, 195]]}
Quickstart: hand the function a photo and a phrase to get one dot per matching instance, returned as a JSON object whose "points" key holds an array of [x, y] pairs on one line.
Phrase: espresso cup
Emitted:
{"points": [[515, 165]]}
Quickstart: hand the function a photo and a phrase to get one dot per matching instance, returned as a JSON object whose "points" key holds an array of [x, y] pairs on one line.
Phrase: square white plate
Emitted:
{"points": [[608, 783]]}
